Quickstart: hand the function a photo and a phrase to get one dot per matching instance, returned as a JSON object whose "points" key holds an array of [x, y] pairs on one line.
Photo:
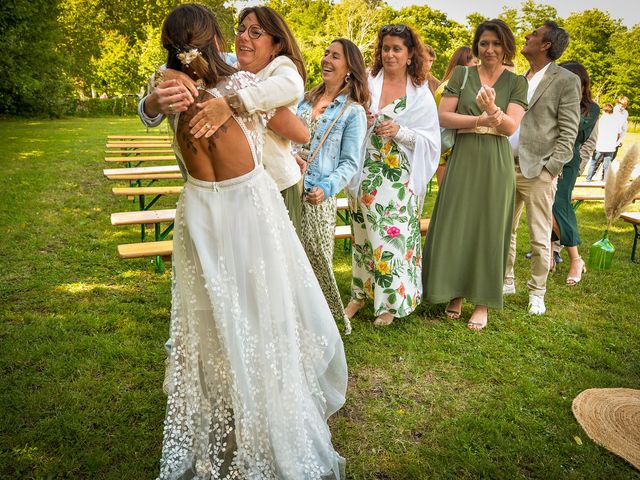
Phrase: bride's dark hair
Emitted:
{"points": [[190, 27]]}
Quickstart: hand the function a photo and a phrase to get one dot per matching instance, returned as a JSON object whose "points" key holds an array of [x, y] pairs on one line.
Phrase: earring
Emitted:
{"points": [[409, 62], [347, 79]]}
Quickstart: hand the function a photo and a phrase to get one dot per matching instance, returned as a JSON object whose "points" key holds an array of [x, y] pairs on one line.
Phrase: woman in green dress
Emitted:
{"points": [[565, 225], [468, 239]]}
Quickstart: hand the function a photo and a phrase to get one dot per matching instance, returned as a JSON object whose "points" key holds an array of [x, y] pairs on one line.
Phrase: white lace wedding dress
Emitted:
{"points": [[256, 363]]}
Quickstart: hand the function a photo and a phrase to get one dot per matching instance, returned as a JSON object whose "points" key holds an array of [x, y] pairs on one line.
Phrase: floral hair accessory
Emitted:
{"points": [[186, 57]]}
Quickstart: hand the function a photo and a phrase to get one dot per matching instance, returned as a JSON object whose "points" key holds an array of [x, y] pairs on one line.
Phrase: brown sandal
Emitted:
{"points": [[451, 310]]}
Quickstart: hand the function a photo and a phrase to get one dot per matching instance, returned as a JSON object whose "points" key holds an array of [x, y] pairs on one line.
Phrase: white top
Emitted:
{"points": [[622, 116], [609, 129], [514, 139]]}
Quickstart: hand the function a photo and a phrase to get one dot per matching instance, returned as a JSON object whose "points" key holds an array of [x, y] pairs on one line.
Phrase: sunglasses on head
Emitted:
{"points": [[393, 28], [254, 31]]}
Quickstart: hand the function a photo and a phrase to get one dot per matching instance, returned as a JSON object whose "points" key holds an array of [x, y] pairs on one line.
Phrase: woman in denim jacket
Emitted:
{"points": [[336, 106]]}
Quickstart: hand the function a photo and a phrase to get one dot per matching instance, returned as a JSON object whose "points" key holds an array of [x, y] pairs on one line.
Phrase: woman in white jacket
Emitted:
{"points": [[265, 47]]}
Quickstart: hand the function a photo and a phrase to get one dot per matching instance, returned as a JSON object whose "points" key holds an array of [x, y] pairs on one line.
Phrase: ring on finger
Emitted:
{"points": [[170, 108], [208, 126]]}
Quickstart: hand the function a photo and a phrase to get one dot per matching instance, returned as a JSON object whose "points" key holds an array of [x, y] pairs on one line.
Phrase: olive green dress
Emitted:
{"points": [[562, 209], [467, 243]]}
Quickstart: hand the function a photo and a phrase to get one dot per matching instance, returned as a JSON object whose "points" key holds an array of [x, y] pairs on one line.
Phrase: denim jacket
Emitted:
{"points": [[342, 151]]}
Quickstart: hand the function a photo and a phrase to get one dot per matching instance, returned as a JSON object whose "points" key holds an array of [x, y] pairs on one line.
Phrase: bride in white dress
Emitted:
{"points": [[256, 364]]}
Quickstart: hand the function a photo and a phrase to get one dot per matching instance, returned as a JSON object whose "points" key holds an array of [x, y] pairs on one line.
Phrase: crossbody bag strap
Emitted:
{"points": [[464, 81], [312, 157]]}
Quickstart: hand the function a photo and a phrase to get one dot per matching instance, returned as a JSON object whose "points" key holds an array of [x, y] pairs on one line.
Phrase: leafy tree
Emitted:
{"points": [[32, 68], [591, 33], [151, 52], [534, 15], [625, 70], [474, 19], [435, 29], [116, 70]]}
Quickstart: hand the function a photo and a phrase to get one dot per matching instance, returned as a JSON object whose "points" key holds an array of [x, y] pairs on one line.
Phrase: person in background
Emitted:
{"points": [[620, 110], [432, 81], [609, 132], [335, 113], [565, 224], [266, 47], [462, 56], [541, 147], [400, 157], [256, 364], [467, 244]]}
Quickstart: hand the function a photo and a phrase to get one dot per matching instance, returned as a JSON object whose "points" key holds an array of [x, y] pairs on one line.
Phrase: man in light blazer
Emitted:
{"points": [[541, 147]]}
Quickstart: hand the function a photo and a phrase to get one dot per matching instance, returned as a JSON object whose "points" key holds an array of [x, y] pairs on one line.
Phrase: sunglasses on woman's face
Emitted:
{"points": [[255, 31], [393, 28]]}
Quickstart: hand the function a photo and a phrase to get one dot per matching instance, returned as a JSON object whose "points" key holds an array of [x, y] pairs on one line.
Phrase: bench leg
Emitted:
{"points": [[346, 219], [635, 243], [159, 267]]}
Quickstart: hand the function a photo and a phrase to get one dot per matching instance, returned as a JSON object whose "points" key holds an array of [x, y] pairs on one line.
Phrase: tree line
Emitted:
{"points": [[61, 50]]}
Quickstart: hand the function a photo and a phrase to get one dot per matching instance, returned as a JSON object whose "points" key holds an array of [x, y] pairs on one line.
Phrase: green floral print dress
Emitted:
{"points": [[386, 255]]}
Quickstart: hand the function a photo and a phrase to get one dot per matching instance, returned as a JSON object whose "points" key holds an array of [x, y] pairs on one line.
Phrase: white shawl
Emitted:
{"points": [[420, 116]]}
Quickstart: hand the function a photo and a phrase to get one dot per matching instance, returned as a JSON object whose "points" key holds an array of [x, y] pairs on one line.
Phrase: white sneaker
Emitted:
{"points": [[508, 289], [536, 304]]}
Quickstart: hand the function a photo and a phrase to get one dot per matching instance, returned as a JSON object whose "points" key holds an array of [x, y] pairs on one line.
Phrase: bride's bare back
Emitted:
{"points": [[226, 154]]}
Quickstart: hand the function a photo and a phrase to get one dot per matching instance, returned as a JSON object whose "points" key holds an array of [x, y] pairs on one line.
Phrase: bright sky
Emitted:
{"points": [[459, 9]]}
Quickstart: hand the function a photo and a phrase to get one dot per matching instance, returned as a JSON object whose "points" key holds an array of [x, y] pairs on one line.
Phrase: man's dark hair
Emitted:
{"points": [[557, 37]]}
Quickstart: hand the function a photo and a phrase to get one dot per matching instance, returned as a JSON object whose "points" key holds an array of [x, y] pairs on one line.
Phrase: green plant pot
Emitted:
{"points": [[601, 253]]}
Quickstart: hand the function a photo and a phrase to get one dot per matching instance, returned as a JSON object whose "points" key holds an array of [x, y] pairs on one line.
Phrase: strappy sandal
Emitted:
{"points": [[573, 280], [383, 320], [451, 310], [354, 306], [475, 325]]}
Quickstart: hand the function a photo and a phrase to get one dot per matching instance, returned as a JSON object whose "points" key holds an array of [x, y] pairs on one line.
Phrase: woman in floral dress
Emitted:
{"points": [[400, 157]]}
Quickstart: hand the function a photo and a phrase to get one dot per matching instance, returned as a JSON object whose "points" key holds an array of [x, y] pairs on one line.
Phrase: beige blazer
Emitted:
{"points": [[550, 126]]}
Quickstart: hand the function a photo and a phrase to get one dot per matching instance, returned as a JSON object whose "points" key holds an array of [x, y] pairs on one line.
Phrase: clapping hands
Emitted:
{"points": [[492, 115]]}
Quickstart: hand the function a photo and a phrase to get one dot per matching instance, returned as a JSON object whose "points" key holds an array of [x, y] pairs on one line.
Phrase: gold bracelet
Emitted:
{"points": [[477, 121], [235, 104]]}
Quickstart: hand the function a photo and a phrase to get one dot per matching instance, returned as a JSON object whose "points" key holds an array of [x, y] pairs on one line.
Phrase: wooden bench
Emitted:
{"points": [[634, 219], [579, 198], [129, 138], [140, 158], [141, 194], [139, 151], [138, 144], [136, 174], [593, 184]]}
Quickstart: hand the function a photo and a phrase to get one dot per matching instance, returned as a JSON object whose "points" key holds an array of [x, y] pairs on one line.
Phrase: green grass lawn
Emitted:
{"points": [[82, 333]]}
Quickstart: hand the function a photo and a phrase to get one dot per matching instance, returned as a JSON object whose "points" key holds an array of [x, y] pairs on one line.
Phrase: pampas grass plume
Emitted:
{"points": [[618, 192]]}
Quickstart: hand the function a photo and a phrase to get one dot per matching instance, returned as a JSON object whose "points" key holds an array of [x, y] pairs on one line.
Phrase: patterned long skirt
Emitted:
{"points": [[317, 234], [387, 250]]}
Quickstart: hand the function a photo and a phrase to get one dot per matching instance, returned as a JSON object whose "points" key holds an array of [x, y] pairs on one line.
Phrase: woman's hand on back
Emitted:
{"points": [[170, 96], [212, 115]]}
